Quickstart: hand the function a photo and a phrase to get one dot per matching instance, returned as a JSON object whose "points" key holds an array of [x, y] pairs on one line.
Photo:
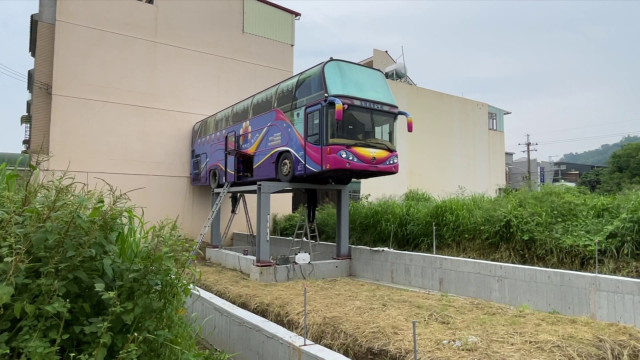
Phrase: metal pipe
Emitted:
{"points": [[306, 333], [434, 238], [596, 256], [415, 341]]}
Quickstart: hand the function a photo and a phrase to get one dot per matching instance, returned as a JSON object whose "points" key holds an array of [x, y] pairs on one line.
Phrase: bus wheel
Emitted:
{"points": [[285, 167], [342, 181], [213, 179]]}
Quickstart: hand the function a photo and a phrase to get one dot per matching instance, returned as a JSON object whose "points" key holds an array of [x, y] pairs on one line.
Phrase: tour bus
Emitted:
{"points": [[331, 123]]}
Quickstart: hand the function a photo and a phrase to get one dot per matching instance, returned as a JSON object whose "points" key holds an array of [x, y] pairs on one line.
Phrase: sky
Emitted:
{"points": [[567, 70]]}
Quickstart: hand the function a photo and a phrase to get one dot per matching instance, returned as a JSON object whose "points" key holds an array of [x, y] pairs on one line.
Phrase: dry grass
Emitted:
{"points": [[369, 321]]}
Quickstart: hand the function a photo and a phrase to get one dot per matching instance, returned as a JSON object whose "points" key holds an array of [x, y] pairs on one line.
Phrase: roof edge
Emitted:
{"points": [[267, 2]]}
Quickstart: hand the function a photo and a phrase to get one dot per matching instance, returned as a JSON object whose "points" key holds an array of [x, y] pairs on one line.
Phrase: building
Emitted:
{"points": [[518, 173], [571, 172], [456, 142], [117, 86]]}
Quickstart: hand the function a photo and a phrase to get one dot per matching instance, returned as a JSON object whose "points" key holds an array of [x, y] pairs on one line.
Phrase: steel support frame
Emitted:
{"points": [[264, 190], [216, 236]]}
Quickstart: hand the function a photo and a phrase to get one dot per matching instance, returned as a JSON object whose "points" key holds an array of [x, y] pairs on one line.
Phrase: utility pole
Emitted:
{"points": [[528, 144], [553, 167]]}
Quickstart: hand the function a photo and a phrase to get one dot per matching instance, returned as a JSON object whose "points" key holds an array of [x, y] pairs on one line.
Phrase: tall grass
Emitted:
{"points": [[83, 276], [556, 227]]}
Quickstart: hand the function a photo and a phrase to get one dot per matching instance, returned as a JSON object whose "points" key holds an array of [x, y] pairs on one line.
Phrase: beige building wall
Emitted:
{"points": [[451, 146], [41, 97], [132, 78]]}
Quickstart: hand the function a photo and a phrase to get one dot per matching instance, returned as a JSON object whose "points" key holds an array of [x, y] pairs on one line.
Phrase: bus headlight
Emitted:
{"points": [[347, 155], [392, 160]]}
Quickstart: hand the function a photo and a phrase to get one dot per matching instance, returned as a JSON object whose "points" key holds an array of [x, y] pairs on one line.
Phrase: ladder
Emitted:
{"points": [[304, 234], [252, 237], [207, 225]]}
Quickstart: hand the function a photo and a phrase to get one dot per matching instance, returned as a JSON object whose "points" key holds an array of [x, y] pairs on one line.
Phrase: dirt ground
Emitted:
{"points": [[368, 321]]}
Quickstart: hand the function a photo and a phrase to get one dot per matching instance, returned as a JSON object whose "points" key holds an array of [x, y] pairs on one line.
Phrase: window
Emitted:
{"points": [[263, 102], [309, 88], [210, 125], [240, 112], [493, 121], [284, 97], [313, 127], [223, 119]]}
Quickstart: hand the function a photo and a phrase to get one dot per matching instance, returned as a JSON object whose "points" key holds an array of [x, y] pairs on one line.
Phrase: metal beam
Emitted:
{"points": [[216, 239], [263, 246], [342, 230]]}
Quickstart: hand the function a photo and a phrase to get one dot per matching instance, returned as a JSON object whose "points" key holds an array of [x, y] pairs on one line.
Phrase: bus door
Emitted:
{"points": [[230, 151], [312, 133]]}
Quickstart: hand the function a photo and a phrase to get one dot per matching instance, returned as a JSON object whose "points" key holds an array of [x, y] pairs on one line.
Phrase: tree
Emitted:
{"points": [[623, 172], [601, 155], [593, 179]]}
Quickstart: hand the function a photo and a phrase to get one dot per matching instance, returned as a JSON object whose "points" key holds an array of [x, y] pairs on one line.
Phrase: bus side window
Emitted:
{"points": [[309, 87], [313, 127], [263, 102], [284, 97], [240, 112]]}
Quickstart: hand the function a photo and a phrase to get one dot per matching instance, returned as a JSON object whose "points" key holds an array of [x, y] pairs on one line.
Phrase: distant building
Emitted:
{"points": [[518, 173], [571, 172]]}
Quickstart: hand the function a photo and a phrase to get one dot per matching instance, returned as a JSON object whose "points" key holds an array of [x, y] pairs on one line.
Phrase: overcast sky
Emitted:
{"points": [[567, 70]]}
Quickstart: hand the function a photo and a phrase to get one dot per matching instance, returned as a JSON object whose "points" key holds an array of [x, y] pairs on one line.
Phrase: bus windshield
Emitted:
{"points": [[358, 81], [362, 127]]}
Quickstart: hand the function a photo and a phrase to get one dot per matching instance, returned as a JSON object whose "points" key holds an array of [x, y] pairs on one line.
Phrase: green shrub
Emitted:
{"points": [[556, 227], [83, 276]]}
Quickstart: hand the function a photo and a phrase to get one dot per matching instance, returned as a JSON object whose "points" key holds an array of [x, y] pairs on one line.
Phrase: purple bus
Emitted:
{"points": [[331, 123]]}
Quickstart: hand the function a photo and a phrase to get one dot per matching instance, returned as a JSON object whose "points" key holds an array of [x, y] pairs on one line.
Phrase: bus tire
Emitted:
{"points": [[285, 167], [214, 179]]}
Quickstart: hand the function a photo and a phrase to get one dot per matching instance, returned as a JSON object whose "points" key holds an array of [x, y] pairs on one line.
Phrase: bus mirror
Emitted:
{"points": [[409, 120], [338, 105]]}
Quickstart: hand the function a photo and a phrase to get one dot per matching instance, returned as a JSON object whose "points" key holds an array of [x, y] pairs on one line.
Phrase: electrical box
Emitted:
{"points": [[303, 258], [282, 260]]}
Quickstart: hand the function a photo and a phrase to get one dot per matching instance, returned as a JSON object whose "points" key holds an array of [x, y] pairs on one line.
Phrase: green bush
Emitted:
{"points": [[556, 227], [83, 276]]}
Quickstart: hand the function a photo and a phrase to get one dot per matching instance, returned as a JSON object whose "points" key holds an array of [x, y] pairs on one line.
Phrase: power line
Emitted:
{"points": [[584, 127], [13, 71], [25, 77], [13, 77], [561, 141], [528, 144], [551, 142]]}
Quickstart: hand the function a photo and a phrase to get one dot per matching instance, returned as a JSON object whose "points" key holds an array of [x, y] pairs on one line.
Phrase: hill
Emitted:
{"points": [[599, 156]]}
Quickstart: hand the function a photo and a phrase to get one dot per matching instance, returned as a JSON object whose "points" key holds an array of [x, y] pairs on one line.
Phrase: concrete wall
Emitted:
{"points": [[601, 297], [232, 258], [246, 335], [281, 245], [604, 298], [132, 78], [451, 145]]}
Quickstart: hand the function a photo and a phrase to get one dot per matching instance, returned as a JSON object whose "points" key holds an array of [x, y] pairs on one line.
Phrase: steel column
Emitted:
{"points": [[263, 250], [216, 238], [342, 235]]}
